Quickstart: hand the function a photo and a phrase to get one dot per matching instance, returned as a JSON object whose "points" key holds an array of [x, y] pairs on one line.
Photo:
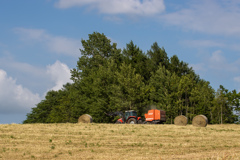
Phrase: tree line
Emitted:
{"points": [[108, 79]]}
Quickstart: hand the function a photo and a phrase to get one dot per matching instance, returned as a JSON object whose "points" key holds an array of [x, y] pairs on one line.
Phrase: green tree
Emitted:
{"points": [[97, 87], [185, 86], [222, 111], [157, 56], [133, 55], [201, 99], [163, 86], [41, 112], [95, 53], [130, 88], [234, 99], [65, 110], [180, 67]]}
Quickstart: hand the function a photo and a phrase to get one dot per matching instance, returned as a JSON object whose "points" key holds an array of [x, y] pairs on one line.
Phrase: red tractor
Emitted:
{"points": [[129, 117]]}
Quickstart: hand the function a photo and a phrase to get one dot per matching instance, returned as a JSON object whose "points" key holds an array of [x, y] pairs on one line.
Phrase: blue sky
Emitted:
{"points": [[40, 41]]}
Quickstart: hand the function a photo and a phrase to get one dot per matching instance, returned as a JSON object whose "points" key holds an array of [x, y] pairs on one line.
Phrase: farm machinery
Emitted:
{"points": [[153, 116], [129, 117]]}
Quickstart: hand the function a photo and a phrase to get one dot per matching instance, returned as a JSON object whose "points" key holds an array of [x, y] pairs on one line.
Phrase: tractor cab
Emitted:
{"points": [[130, 113]]}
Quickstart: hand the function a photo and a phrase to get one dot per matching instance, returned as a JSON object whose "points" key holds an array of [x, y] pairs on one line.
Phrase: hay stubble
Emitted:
{"points": [[110, 141]]}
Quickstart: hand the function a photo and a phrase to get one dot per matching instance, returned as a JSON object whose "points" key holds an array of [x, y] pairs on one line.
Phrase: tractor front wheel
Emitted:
{"points": [[132, 121]]}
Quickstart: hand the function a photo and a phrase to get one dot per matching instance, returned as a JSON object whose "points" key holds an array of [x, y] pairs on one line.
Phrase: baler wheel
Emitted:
{"points": [[146, 122], [153, 122]]}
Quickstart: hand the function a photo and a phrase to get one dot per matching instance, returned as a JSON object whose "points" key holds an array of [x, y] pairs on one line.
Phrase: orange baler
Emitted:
{"points": [[155, 116]]}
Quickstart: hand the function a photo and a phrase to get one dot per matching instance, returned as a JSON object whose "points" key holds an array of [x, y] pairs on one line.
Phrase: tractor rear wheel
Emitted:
{"points": [[132, 121]]}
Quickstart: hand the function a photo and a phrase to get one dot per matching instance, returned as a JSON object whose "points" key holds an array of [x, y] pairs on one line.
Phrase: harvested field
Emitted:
{"points": [[123, 141]]}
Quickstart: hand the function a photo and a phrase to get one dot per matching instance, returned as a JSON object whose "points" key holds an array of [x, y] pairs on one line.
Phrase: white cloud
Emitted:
{"points": [[15, 98], [218, 63], [59, 74], [217, 58], [132, 7], [57, 44], [213, 17], [29, 76]]}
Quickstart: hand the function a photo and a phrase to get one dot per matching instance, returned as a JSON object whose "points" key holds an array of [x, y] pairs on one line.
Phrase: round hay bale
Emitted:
{"points": [[181, 120], [85, 118], [200, 121]]}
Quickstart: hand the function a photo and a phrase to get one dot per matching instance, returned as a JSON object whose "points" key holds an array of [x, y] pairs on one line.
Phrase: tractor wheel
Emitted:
{"points": [[140, 121], [132, 121]]}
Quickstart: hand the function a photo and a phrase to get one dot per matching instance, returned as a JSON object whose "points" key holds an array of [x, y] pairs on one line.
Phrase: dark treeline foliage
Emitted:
{"points": [[109, 79]]}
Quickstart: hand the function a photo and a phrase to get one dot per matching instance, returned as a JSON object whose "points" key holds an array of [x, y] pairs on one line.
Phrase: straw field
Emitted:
{"points": [[118, 141]]}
